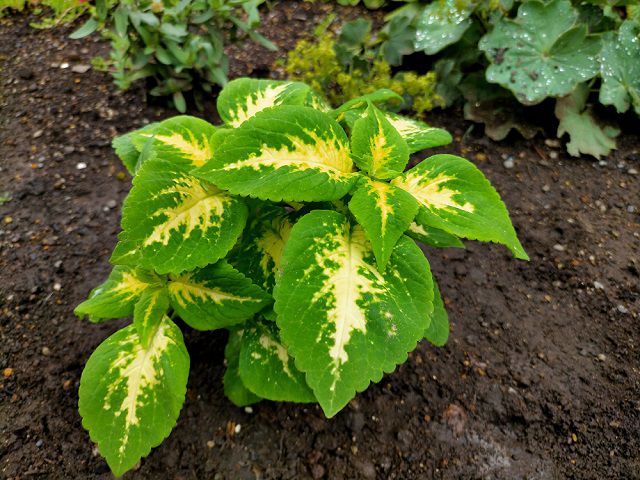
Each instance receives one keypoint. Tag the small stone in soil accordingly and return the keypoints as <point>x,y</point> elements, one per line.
<point>601,357</point>
<point>248,410</point>
<point>509,162</point>
<point>211,444</point>
<point>112,204</point>
<point>37,133</point>
<point>80,68</point>
<point>598,286</point>
<point>57,287</point>
<point>559,248</point>
<point>546,188</point>
<point>7,372</point>
<point>81,166</point>
<point>622,309</point>
<point>46,351</point>
<point>39,443</point>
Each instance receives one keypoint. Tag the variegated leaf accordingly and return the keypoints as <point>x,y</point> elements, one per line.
<point>433,237</point>
<point>385,213</point>
<point>438,331</point>
<point>258,253</point>
<point>129,151</point>
<point>131,394</point>
<point>418,134</point>
<point>234,389</point>
<point>149,312</point>
<point>267,369</point>
<point>215,296</point>
<point>182,140</point>
<point>456,197</point>
<point>242,98</point>
<point>117,297</point>
<point>288,153</point>
<point>174,222</point>
<point>359,103</point>
<point>314,100</point>
<point>377,147</point>
<point>344,321</point>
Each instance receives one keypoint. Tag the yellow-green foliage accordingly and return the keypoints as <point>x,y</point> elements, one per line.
<point>62,11</point>
<point>316,64</point>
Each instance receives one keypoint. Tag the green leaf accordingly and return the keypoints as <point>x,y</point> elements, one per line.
<point>438,331</point>
<point>586,135</point>
<point>117,297</point>
<point>433,237</point>
<point>131,394</point>
<point>385,213</point>
<point>215,296</point>
<point>149,312</point>
<point>418,134</point>
<point>541,53</point>
<point>456,197</point>
<point>259,251</point>
<point>359,103</point>
<point>266,368</point>
<point>86,29</point>
<point>344,321</point>
<point>234,389</point>
<point>130,153</point>
<point>183,140</point>
<point>242,98</point>
<point>288,153</point>
<point>620,68</point>
<point>442,23</point>
<point>173,221</point>
<point>377,147</point>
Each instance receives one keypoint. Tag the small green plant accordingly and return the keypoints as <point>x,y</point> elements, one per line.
<point>292,227</point>
<point>355,63</point>
<point>178,45</point>
<point>62,11</point>
<point>498,55</point>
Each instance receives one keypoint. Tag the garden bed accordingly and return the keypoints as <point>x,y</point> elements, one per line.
<point>540,376</point>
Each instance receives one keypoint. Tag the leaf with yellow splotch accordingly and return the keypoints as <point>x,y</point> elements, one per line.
<point>214,297</point>
<point>117,297</point>
<point>131,394</point>
<point>148,313</point>
<point>267,369</point>
<point>433,237</point>
<point>234,388</point>
<point>358,104</point>
<point>257,255</point>
<point>345,322</point>
<point>242,98</point>
<point>385,213</point>
<point>174,222</point>
<point>456,197</point>
<point>183,140</point>
<point>129,152</point>
<point>377,147</point>
<point>290,153</point>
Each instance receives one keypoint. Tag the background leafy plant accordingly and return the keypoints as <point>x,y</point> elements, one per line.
<point>496,55</point>
<point>355,62</point>
<point>292,226</point>
<point>61,11</point>
<point>177,45</point>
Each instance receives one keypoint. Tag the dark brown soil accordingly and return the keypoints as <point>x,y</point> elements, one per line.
<point>540,379</point>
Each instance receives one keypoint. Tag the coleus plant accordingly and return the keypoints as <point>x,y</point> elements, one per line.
<point>292,226</point>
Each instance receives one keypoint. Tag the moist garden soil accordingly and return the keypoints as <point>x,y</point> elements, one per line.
<point>539,380</point>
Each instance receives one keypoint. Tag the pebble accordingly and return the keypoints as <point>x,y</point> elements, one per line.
<point>631,209</point>
<point>81,166</point>
<point>238,428</point>
<point>57,287</point>
<point>7,372</point>
<point>509,162</point>
<point>64,65</point>
<point>601,357</point>
<point>559,248</point>
<point>80,68</point>
<point>39,443</point>
<point>248,410</point>
<point>553,143</point>
<point>622,309</point>
<point>211,444</point>
<point>553,155</point>
<point>8,219</point>
<point>46,351</point>
<point>57,264</point>
<point>632,171</point>
<point>546,188</point>
<point>598,286</point>
<point>112,204</point>
<point>38,133</point>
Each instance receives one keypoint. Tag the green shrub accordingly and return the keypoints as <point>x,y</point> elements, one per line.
<point>62,11</point>
<point>178,45</point>
<point>498,54</point>
<point>292,227</point>
<point>354,64</point>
